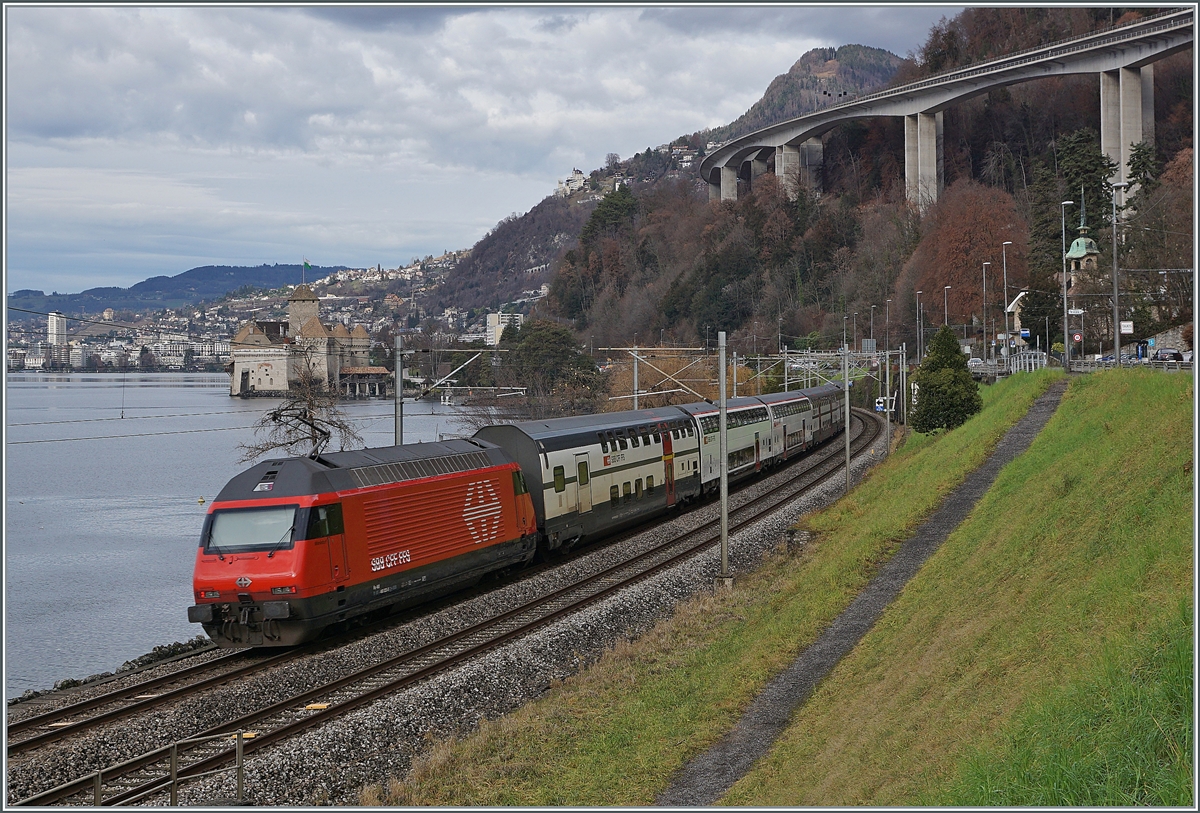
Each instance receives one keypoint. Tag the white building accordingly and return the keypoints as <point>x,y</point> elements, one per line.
<point>496,322</point>
<point>572,184</point>
<point>56,332</point>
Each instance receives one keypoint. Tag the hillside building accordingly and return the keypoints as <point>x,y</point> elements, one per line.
<point>268,358</point>
<point>496,322</point>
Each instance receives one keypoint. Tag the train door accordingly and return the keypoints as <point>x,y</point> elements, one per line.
<point>668,457</point>
<point>326,521</point>
<point>337,558</point>
<point>583,492</point>
<point>757,453</point>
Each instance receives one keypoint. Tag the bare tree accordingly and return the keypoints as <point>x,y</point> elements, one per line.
<point>304,423</point>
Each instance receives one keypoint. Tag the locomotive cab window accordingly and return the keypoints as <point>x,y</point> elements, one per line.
<point>519,486</point>
<point>243,530</point>
<point>560,479</point>
<point>324,520</point>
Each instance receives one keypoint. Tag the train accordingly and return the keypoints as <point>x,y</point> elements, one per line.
<point>295,546</point>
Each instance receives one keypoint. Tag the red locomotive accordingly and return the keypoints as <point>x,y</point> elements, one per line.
<point>290,547</point>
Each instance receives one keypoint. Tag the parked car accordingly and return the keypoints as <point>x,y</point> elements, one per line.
<point>975,362</point>
<point>1168,354</point>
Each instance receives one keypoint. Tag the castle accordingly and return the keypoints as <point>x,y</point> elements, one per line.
<point>269,358</point>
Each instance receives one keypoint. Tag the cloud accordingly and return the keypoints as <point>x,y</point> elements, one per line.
<point>130,128</point>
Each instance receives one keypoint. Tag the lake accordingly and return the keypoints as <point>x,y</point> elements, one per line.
<point>103,513</point>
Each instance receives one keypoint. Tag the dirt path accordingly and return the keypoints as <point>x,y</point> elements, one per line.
<point>710,775</point>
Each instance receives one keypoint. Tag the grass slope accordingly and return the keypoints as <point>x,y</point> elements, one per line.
<point>616,733</point>
<point>989,672</point>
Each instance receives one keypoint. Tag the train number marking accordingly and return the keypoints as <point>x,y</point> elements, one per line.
<point>390,560</point>
<point>481,512</point>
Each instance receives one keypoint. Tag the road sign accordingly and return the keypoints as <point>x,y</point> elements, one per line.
<point>1149,342</point>
<point>1076,337</point>
<point>1075,312</point>
<point>1024,333</point>
<point>1126,328</point>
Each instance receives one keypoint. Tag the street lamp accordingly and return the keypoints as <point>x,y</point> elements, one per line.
<point>845,319</point>
<point>856,330</point>
<point>873,322</point>
<point>1116,311</point>
<point>1007,336</point>
<point>946,304</point>
<point>985,344</point>
<point>919,326</point>
<point>1066,343</point>
<point>887,326</point>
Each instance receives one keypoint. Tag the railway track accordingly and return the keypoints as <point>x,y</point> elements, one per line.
<point>143,776</point>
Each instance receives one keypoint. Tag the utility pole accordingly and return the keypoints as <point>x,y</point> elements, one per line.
<point>1066,335</point>
<point>724,580</point>
<point>635,377</point>
<point>1116,292</point>
<point>846,406</point>
<point>398,359</point>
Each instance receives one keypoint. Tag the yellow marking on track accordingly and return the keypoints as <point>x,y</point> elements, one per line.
<point>316,706</point>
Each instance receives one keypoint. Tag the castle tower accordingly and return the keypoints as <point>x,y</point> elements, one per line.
<point>302,306</point>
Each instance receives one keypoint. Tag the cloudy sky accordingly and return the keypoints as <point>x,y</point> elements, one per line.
<point>146,141</point>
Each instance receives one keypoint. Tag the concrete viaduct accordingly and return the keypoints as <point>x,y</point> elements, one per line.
<point>1124,57</point>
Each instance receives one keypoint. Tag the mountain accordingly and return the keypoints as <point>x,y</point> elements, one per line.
<point>814,82</point>
<point>516,255</point>
<point>207,282</point>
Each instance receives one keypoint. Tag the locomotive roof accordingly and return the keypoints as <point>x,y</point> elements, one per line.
<point>345,471</point>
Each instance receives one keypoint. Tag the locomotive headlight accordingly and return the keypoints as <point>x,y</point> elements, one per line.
<point>279,591</point>
<point>210,594</point>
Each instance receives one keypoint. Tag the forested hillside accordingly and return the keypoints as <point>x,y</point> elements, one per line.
<point>767,268</point>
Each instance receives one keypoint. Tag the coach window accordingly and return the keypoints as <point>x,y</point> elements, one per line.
<point>646,436</point>
<point>560,479</point>
<point>626,490</point>
<point>650,484</point>
<point>633,438</point>
<point>637,489</point>
<point>614,496</point>
<point>656,435</point>
<point>621,439</point>
<point>603,441</point>
<point>583,473</point>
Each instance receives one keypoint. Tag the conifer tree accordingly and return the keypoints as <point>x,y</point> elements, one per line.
<point>946,394</point>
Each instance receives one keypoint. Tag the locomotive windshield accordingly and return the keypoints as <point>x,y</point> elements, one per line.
<point>242,530</point>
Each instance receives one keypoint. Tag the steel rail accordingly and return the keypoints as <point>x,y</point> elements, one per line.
<point>558,603</point>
